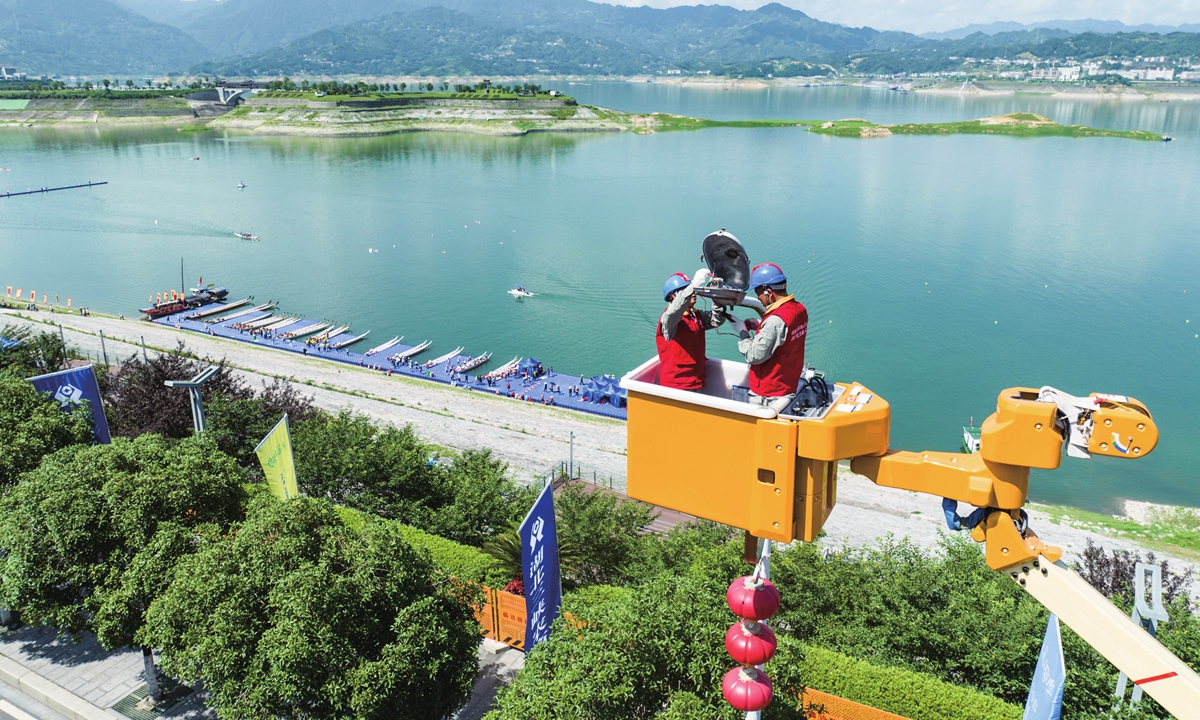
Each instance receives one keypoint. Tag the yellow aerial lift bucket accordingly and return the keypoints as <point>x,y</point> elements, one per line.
<point>761,469</point>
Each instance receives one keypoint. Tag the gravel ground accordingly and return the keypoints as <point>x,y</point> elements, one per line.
<point>531,438</point>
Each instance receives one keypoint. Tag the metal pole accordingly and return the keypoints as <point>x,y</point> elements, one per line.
<point>62,338</point>
<point>761,570</point>
<point>144,358</point>
<point>571,471</point>
<point>197,411</point>
<point>102,347</point>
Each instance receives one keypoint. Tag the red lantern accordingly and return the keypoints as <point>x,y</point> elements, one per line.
<point>751,643</point>
<point>747,689</point>
<point>752,599</point>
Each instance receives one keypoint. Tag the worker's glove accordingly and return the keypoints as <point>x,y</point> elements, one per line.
<point>752,324</point>
<point>702,278</point>
<point>739,326</point>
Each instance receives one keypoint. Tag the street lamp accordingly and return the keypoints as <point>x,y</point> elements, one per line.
<point>193,387</point>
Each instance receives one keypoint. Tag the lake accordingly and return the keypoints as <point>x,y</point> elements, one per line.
<point>937,270</point>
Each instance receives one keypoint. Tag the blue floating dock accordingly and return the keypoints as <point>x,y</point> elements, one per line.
<point>541,390</point>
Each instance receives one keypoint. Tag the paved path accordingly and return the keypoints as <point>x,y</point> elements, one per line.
<point>531,438</point>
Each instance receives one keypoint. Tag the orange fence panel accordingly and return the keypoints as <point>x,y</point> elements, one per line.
<point>486,613</point>
<point>510,625</point>
<point>836,708</point>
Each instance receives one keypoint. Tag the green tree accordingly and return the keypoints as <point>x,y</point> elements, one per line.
<point>33,426</point>
<point>605,530</point>
<point>238,424</point>
<point>298,616</point>
<point>485,499</point>
<point>106,84</point>
<point>36,353</point>
<point>350,461</point>
<point>92,536</point>
<point>403,86</point>
<point>128,84</point>
<point>429,87</point>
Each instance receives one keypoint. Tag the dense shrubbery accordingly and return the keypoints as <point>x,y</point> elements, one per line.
<point>299,616</point>
<point>95,536</point>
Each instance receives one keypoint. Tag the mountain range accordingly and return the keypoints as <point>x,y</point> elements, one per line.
<point>441,37</point>
<point>1088,25</point>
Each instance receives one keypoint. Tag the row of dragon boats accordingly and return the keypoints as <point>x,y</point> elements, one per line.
<point>330,336</point>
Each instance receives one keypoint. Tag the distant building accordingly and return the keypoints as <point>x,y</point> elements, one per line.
<point>1159,73</point>
<point>1044,73</point>
<point>10,73</point>
<point>1069,73</point>
<point>1192,75</point>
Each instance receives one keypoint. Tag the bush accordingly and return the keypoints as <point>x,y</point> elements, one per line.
<point>37,353</point>
<point>893,690</point>
<point>137,402</point>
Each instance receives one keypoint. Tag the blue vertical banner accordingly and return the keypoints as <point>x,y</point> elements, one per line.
<point>1046,691</point>
<point>539,564</point>
<point>72,387</point>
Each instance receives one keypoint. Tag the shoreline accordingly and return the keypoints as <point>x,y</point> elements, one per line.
<point>533,439</point>
<point>302,114</point>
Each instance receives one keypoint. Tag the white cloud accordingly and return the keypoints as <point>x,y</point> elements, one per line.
<point>936,15</point>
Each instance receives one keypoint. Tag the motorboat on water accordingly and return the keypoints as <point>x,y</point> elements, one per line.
<point>971,438</point>
<point>519,291</point>
<point>246,236</point>
<point>241,185</point>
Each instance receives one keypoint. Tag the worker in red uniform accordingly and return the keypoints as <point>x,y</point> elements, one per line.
<point>680,332</point>
<point>775,351</point>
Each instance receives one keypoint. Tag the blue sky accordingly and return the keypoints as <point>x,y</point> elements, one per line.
<point>936,15</point>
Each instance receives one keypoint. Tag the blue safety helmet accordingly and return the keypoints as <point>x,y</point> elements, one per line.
<point>674,283</point>
<point>768,274</point>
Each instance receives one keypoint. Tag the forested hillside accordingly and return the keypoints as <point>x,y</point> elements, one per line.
<point>89,36</point>
<point>436,41</point>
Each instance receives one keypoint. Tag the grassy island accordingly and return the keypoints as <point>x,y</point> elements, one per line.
<point>483,112</point>
<point>1015,124</point>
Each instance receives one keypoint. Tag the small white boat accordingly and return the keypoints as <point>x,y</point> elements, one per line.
<point>445,358</point>
<point>411,352</point>
<point>519,291</point>
<point>348,341</point>
<point>306,330</point>
<point>243,313</point>
<point>246,236</point>
<point>283,323</point>
<point>376,350</point>
<point>241,185</point>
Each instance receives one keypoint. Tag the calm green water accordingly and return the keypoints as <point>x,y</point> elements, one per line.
<point>937,271</point>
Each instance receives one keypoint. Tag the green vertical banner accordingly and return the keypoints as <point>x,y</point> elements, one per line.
<point>275,454</point>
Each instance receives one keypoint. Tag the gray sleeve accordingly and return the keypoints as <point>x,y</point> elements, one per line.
<point>771,334</point>
<point>712,318</point>
<point>670,319</point>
